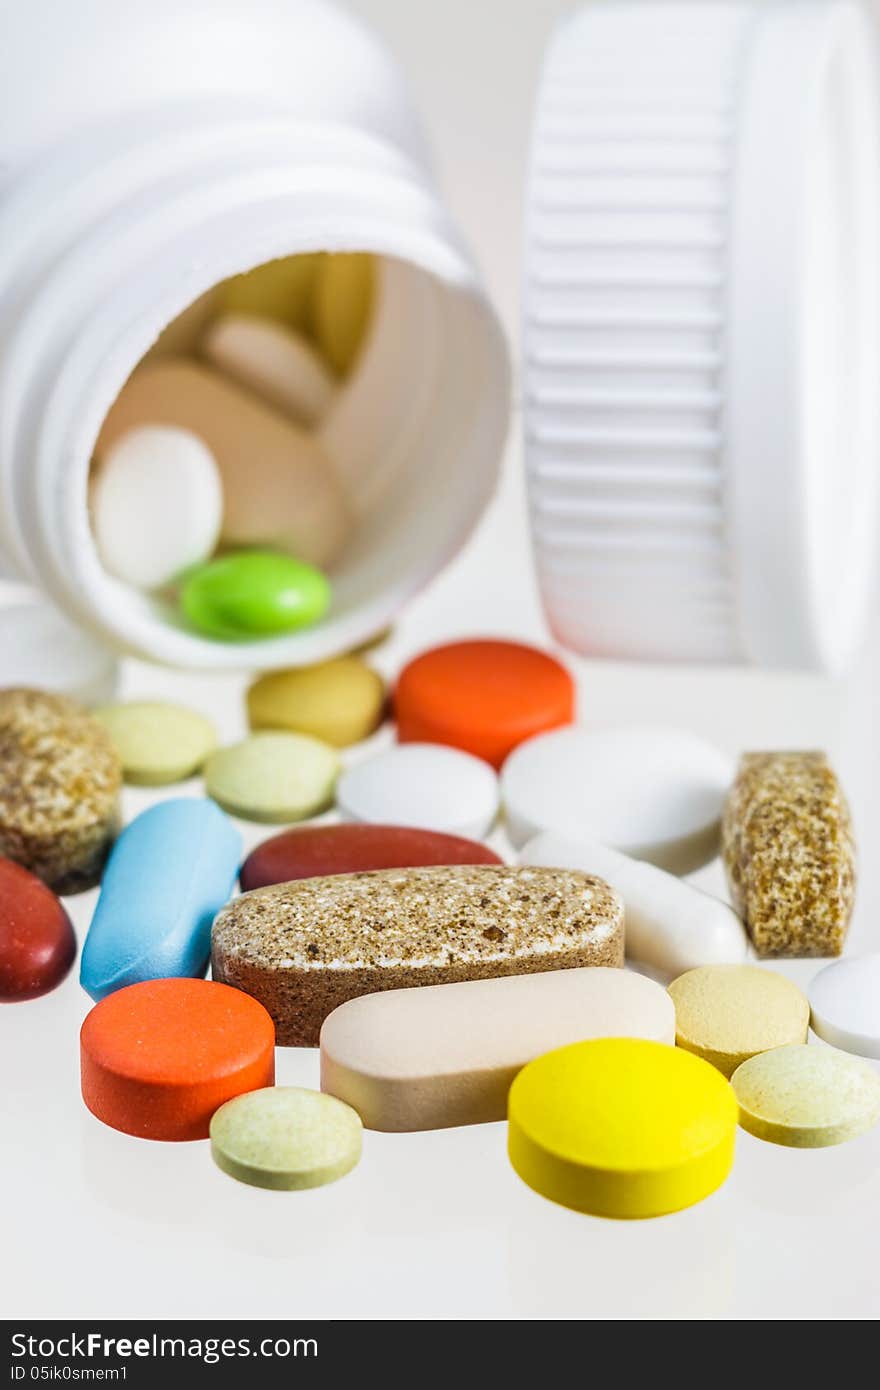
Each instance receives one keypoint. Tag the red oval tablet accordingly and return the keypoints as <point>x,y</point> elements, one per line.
<point>485,697</point>
<point>159,1058</point>
<point>37,942</point>
<point>318,850</point>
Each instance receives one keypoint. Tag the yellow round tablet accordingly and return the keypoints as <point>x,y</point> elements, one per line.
<point>728,1013</point>
<point>621,1127</point>
<point>807,1097</point>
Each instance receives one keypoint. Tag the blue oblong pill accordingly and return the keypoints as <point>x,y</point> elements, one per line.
<point>168,875</point>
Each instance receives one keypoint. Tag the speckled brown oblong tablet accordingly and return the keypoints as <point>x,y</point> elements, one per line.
<point>303,948</point>
<point>60,779</point>
<point>789,853</point>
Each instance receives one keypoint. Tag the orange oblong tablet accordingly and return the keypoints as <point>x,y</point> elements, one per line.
<point>159,1058</point>
<point>484,696</point>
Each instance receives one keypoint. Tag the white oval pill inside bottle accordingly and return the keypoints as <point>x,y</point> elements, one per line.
<point>157,504</point>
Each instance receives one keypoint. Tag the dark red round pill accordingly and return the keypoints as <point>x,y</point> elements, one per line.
<point>314,851</point>
<point>37,944</point>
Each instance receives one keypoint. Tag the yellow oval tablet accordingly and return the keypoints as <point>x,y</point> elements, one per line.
<point>728,1013</point>
<point>807,1097</point>
<point>621,1127</point>
<point>340,701</point>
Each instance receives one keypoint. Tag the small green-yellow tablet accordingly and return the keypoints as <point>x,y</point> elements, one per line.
<point>273,777</point>
<point>286,1138</point>
<point>158,743</point>
<point>807,1097</point>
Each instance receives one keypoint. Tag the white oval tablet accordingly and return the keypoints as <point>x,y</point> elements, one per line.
<point>654,793</point>
<point>845,1005</point>
<point>669,925</point>
<point>423,785</point>
<point>156,505</point>
<point>279,489</point>
<point>445,1055</point>
<point>273,361</point>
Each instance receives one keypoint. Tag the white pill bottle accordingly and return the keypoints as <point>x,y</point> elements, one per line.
<point>151,151</point>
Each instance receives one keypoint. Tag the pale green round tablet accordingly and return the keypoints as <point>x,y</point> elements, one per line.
<point>274,777</point>
<point>286,1138</point>
<point>807,1097</point>
<point>158,743</point>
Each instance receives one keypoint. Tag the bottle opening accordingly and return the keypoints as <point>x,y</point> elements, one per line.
<point>300,450</point>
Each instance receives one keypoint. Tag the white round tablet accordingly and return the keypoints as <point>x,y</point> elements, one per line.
<point>653,793</point>
<point>273,361</point>
<point>423,785</point>
<point>156,504</point>
<point>44,651</point>
<point>845,1005</point>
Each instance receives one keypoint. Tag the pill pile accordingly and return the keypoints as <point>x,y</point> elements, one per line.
<point>210,483</point>
<point>443,984</point>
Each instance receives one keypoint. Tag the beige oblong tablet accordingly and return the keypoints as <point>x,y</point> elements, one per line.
<point>279,489</point>
<point>275,362</point>
<point>445,1055</point>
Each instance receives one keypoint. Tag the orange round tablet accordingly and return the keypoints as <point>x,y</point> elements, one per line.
<point>486,697</point>
<point>159,1058</point>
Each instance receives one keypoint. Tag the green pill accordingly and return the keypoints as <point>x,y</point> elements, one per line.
<point>286,1138</point>
<point>253,593</point>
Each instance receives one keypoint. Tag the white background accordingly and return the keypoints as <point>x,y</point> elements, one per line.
<point>95,1224</point>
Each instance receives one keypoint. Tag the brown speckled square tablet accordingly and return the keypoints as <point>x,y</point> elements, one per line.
<point>60,779</point>
<point>303,948</point>
<point>789,852</point>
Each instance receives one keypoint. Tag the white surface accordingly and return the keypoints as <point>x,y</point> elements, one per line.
<point>424,785</point>
<point>156,504</point>
<point>845,1004</point>
<point>39,647</point>
<point>437,1225</point>
<point>703,329</point>
<point>670,925</point>
<point>649,791</point>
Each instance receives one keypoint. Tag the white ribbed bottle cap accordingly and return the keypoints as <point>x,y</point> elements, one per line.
<point>702,330</point>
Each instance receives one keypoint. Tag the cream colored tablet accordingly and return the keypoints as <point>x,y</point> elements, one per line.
<point>273,361</point>
<point>446,1055</point>
<point>807,1097</point>
<point>728,1013</point>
